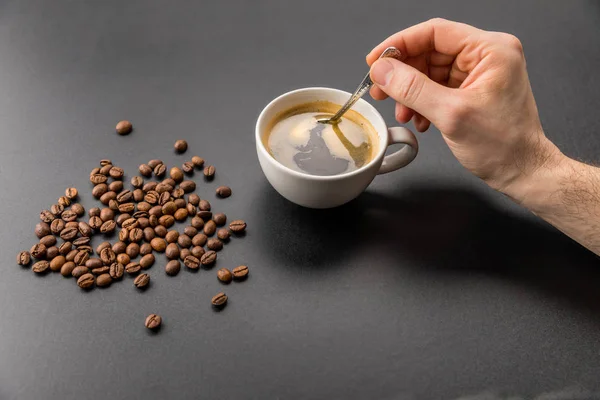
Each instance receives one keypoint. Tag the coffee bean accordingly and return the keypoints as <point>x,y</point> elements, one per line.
<point>108,226</point>
<point>126,207</point>
<point>69,216</point>
<point>191,262</point>
<point>187,167</point>
<point>198,161</point>
<point>160,231</point>
<point>57,209</point>
<point>69,233</point>
<point>42,229</point>
<point>64,201</point>
<point>116,186</point>
<point>124,235</point>
<point>71,255</point>
<point>143,222</point>
<point>119,247</point>
<point>181,214</point>
<point>149,186</point>
<point>151,197</point>
<point>108,256</point>
<point>79,271</point>
<point>99,190</point>
<point>138,195</point>
<point>81,258</point>
<point>170,181</point>
<point>164,198</point>
<point>147,261</point>
<point>78,209</point>
<point>214,244</point>
<point>154,163</point>
<point>180,203</point>
<point>48,241</point>
<point>163,188</point>
<point>210,228</point>
<point>172,251</point>
<point>51,252</point>
<point>155,211</point>
<point>97,179</point>
<point>86,281</point>
<point>145,170</point>
<point>172,236</point>
<point>148,234</point>
<point>220,219</point>
<point>158,244</point>
<point>199,240</point>
<point>107,197</point>
<point>105,169</point>
<point>123,259</point>
<point>107,214</point>
<point>84,229</point>
<point>224,275</point>
<point>194,199</point>
<point>184,241</point>
<point>105,161</point>
<point>191,209</point>
<point>23,258</point>
<point>145,248</point>
<point>240,273</point>
<point>188,186</point>
<point>166,220</point>
<point>116,173</point>
<point>183,253</point>
<point>160,170</point>
<point>95,171</point>
<point>169,208</point>
<point>178,193</point>
<point>93,262</point>
<point>197,223</point>
<point>139,215</point>
<point>204,205</point>
<point>137,182</point>
<point>136,235</point>
<point>209,172</point>
<point>133,268</point>
<point>67,268</point>
<point>94,212</point>
<point>116,270</point>
<point>172,268</point>
<point>125,196</point>
<point>176,174</point>
<point>153,321</point>
<point>82,241</point>
<point>219,300</point>
<point>223,234</point>
<point>223,191</point>
<point>72,224</point>
<point>40,267</point>
<point>71,193</point>
<point>65,248</point>
<point>103,280</point>
<point>180,146</point>
<point>95,222</point>
<point>124,127</point>
<point>87,248</point>
<point>209,258</point>
<point>46,216</point>
<point>204,215</point>
<point>237,226</point>
<point>133,250</point>
<point>113,204</point>
<point>141,281</point>
<point>130,223</point>
<point>101,270</point>
<point>197,251</point>
<point>191,231</point>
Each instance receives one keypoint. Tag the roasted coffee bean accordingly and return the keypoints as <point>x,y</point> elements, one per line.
<point>155,211</point>
<point>224,275</point>
<point>184,241</point>
<point>180,146</point>
<point>67,268</point>
<point>72,254</point>
<point>86,281</point>
<point>176,174</point>
<point>163,188</point>
<point>197,251</point>
<point>183,253</point>
<point>169,181</point>
<point>81,241</point>
<point>219,300</point>
<point>164,198</point>
<point>116,173</point>
<point>119,247</point>
<point>180,203</point>
<point>40,267</point>
<point>138,195</point>
<point>72,224</point>
<point>95,222</point>
<point>133,250</point>
<point>194,199</point>
<point>210,228</point>
<point>172,236</point>
<point>198,161</point>
<point>102,270</point>
<point>46,216</point>
<point>79,271</point>
<point>127,207</point>
<point>133,268</point>
<point>187,167</point>
<point>160,170</point>
<point>145,170</point>
<point>125,196</point>
<point>166,220</point>
<point>124,127</point>
<point>178,193</point>
<point>191,209</point>
<point>209,258</point>
<point>65,248</point>
<point>57,209</point>
<point>191,262</point>
<point>116,186</point>
<point>136,235</point>
<point>42,229</point>
<point>113,204</point>
<point>51,252</point>
<point>191,231</point>
<point>181,214</point>
<point>94,212</point>
<point>214,244</point>
<point>87,248</point>
<point>69,216</point>
<point>107,197</point>
<point>84,229</point>
<point>99,190</point>
<point>199,240</point>
<point>38,251</point>
<point>103,280</point>
<point>143,222</point>
<point>172,268</point>
<point>137,182</point>
<point>204,215</point>
<point>145,248</point>
<point>160,231</point>
<point>95,171</point>
<point>48,241</point>
<point>209,172</point>
<point>97,179</point>
<point>124,235</point>
<point>223,191</point>
<point>188,186</point>
<point>151,197</point>
<point>240,273</point>
<point>169,208</point>
<point>154,163</point>
<point>93,262</point>
<point>123,259</point>
<point>172,251</point>
<point>153,321</point>
<point>108,227</point>
<point>105,169</point>
<point>204,205</point>
<point>108,256</point>
<point>82,257</point>
<point>237,226</point>
<point>78,209</point>
<point>105,161</point>
<point>130,223</point>
<point>116,270</point>
<point>223,234</point>
<point>197,223</point>
<point>141,281</point>
<point>143,206</point>
<point>71,193</point>
<point>23,258</point>
<point>107,214</point>
<point>69,233</point>
<point>158,244</point>
<point>64,201</point>
<point>147,261</point>
<point>149,186</point>
<point>219,219</point>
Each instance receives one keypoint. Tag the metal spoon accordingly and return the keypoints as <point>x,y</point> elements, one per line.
<point>364,86</point>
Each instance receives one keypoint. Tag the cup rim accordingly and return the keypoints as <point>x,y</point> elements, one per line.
<point>380,152</point>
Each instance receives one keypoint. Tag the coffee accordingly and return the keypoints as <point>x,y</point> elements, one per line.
<point>297,140</point>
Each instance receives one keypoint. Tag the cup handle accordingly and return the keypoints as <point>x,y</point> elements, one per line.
<point>402,157</point>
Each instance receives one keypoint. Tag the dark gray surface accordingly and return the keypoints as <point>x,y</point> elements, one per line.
<point>429,286</point>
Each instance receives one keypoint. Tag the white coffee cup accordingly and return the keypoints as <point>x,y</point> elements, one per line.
<point>330,191</point>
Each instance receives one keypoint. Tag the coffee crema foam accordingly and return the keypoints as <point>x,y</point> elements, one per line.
<point>298,141</point>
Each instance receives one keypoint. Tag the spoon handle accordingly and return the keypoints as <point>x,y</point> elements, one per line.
<point>365,85</point>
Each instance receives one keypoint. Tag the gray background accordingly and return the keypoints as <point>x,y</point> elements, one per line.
<point>428,286</point>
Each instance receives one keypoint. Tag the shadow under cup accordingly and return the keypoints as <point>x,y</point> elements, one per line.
<point>311,190</point>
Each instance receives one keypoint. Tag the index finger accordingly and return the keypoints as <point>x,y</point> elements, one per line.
<point>443,36</point>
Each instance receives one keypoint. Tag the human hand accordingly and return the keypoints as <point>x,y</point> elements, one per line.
<point>473,85</point>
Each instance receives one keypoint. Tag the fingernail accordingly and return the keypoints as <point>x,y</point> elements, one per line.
<point>382,72</point>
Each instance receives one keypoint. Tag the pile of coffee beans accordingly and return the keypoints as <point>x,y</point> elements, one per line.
<point>140,219</point>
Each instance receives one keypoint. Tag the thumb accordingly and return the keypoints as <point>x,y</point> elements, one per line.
<point>410,87</point>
